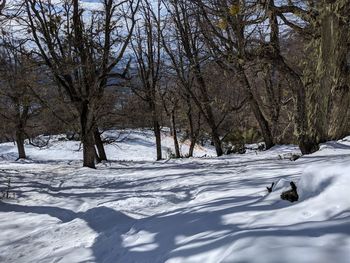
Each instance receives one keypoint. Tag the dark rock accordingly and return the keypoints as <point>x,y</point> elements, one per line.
<point>291,195</point>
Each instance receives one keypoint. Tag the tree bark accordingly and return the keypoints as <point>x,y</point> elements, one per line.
<point>173,128</point>
<point>20,144</point>
<point>88,150</point>
<point>193,137</point>
<point>333,70</point>
<point>87,135</point>
<point>99,145</point>
<point>157,131</point>
<point>192,145</point>
<point>157,134</point>
<point>326,76</point>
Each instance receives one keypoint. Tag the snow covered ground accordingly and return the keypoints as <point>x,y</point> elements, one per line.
<point>202,209</point>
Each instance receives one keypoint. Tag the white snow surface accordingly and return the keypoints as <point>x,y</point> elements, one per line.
<point>202,209</point>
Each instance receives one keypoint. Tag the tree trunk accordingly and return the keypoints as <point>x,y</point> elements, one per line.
<point>327,80</point>
<point>88,150</point>
<point>99,144</point>
<point>192,145</point>
<point>156,129</point>
<point>333,66</point>
<point>217,142</point>
<point>213,131</point>
<point>157,134</point>
<point>259,116</point>
<point>173,128</point>
<point>192,134</point>
<point>20,144</point>
<point>208,111</point>
<point>87,135</point>
<point>22,117</point>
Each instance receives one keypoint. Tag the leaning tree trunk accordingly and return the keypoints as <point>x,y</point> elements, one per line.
<point>217,142</point>
<point>193,137</point>
<point>208,111</point>
<point>87,134</point>
<point>173,128</point>
<point>99,145</point>
<point>259,116</point>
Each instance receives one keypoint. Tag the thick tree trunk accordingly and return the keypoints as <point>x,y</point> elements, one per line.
<point>87,135</point>
<point>20,144</point>
<point>88,150</point>
<point>327,80</point>
<point>173,128</point>
<point>99,145</point>
<point>217,142</point>
<point>333,70</point>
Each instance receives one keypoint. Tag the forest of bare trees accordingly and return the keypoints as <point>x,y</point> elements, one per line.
<point>226,72</point>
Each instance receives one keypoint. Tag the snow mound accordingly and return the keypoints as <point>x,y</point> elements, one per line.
<point>326,187</point>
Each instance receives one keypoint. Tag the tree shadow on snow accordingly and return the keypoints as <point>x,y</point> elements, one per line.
<point>202,227</point>
<point>100,219</point>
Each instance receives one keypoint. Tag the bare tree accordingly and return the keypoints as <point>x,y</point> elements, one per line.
<point>146,45</point>
<point>18,74</point>
<point>171,100</point>
<point>189,43</point>
<point>227,27</point>
<point>81,52</point>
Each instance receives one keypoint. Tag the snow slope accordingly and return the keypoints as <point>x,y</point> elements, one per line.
<point>133,209</point>
<point>129,145</point>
